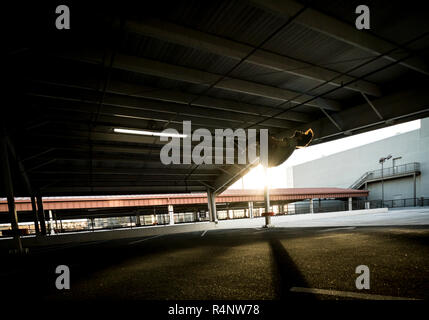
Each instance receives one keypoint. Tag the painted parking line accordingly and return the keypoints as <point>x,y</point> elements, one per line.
<point>348,294</point>
<point>339,228</point>
<point>137,241</point>
<point>204,232</point>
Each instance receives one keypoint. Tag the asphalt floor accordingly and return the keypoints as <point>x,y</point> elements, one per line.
<point>249,264</point>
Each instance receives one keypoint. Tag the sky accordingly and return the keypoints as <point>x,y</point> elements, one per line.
<point>278,176</point>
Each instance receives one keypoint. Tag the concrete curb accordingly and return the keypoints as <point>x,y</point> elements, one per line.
<point>178,228</point>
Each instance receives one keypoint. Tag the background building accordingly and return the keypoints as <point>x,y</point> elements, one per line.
<point>405,174</point>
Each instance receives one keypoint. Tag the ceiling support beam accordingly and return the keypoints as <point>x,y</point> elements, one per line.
<point>136,108</point>
<point>372,106</point>
<point>179,73</point>
<point>331,119</point>
<point>175,96</point>
<point>361,118</point>
<point>132,105</point>
<point>112,190</point>
<point>342,31</point>
<point>225,180</point>
<point>207,42</point>
<point>160,69</point>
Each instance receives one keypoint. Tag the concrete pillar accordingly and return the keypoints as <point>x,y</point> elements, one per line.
<point>41,215</point>
<point>311,206</point>
<point>51,223</point>
<point>138,222</point>
<point>7,181</point>
<point>230,214</point>
<point>14,223</point>
<point>415,193</point>
<point>56,220</point>
<point>34,211</point>
<point>251,216</point>
<point>350,204</point>
<point>171,213</point>
<point>267,205</point>
<point>211,202</point>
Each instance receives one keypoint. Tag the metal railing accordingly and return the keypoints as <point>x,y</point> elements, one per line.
<point>301,207</point>
<point>400,170</point>
<point>394,203</point>
<point>360,181</point>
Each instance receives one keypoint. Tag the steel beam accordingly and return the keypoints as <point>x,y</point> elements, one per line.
<point>339,30</point>
<point>207,42</point>
<point>179,73</point>
<point>133,106</point>
<point>372,106</point>
<point>361,118</point>
<point>176,96</point>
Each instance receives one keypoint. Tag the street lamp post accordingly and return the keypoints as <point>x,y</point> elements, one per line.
<point>382,160</point>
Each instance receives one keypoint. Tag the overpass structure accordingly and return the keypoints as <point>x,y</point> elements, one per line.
<point>280,65</point>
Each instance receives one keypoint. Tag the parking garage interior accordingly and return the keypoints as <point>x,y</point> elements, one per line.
<point>299,69</point>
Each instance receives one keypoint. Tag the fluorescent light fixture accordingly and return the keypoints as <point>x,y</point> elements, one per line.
<point>150,133</point>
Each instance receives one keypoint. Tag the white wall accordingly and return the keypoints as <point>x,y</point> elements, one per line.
<point>344,168</point>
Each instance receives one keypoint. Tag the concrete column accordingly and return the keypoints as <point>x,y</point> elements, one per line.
<point>350,204</point>
<point>34,211</point>
<point>14,223</point>
<point>230,214</point>
<point>8,185</point>
<point>171,213</point>
<point>56,220</point>
<point>267,206</point>
<point>251,210</point>
<point>138,222</point>
<point>311,206</point>
<point>41,214</point>
<point>51,223</point>
<point>211,202</point>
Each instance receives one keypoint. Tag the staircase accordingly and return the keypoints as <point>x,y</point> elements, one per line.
<point>408,169</point>
<point>361,181</point>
